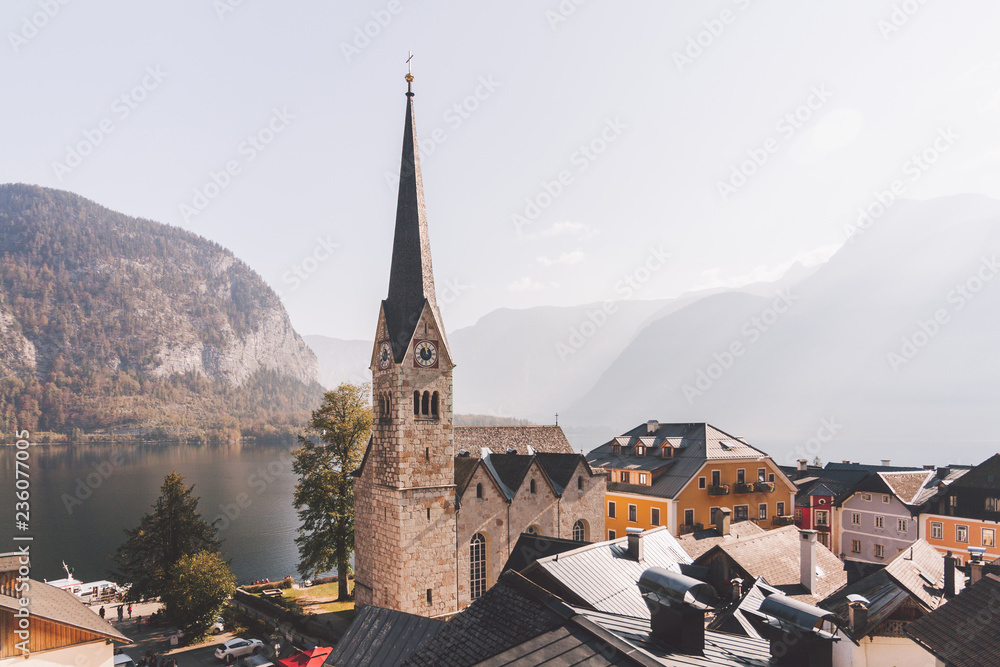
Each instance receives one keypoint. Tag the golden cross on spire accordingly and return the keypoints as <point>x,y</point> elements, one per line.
<point>409,74</point>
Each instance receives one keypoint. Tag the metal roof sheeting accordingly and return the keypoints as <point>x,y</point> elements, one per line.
<point>382,638</point>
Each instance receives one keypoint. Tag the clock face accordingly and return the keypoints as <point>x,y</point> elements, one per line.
<point>384,355</point>
<point>425,354</point>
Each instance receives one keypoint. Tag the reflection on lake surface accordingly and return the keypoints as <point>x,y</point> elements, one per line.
<point>83,496</point>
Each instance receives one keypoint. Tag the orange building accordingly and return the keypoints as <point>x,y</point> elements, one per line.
<point>678,475</point>
<point>966,513</point>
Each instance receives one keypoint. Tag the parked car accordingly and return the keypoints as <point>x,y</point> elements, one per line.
<point>123,660</point>
<point>217,625</point>
<point>236,647</point>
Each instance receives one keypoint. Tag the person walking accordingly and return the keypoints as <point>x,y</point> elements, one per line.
<point>121,612</point>
<point>102,612</point>
<point>130,611</point>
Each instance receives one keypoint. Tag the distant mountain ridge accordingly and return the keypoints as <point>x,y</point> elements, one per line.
<point>115,324</point>
<point>856,344</point>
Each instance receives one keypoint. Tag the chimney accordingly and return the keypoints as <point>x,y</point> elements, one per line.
<point>737,588</point>
<point>975,571</point>
<point>799,633</point>
<point>634,544</point>
<point>802,464</point>
<point>807,560</point>
<point>949,576</point>
<point>677,605</point>
<point>847,461</point>
<point>886,462</point>
<point>722,517</point>
<point>929,467</point>
<point>652,426</point>
<point>857,616</point>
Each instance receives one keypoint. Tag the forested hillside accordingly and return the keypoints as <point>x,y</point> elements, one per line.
<point>112,324</point>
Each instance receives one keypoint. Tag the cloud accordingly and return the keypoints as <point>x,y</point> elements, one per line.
<point>525,284</point>
<point>574,257</point>
<point>837,129</point>
<point>577,229</point>
<point>767,274</point>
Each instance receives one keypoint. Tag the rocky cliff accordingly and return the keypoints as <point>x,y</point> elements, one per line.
<point>108,321</point>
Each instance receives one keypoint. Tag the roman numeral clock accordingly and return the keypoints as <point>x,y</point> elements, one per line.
<point>425,354</point>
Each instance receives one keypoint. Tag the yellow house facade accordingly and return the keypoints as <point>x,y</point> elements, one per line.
<point>678,475</point>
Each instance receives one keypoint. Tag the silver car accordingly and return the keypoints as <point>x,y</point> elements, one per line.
<point>237,647</point>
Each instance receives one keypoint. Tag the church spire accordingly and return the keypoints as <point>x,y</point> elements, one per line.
<point>411,278</point>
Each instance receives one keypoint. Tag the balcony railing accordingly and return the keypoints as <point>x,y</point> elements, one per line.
<point>741,487</point>
<point>891,628</point>
<point>782,520</point>
<point>763,487</point>
<point>718,490</point>
<point>689,528</point>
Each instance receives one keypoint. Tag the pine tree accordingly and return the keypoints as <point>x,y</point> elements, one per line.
<point>174,530</point>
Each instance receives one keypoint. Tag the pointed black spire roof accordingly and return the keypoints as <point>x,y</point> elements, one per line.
<point>411,278</point>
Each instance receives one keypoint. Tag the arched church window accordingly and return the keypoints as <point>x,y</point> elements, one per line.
<point>579,482</point>
<point>479,490</point>
<point>434,404</point>
<point>580,531</point>
<point>477,565</point>
<point>425,404</point>
<point>533,489</point>
<point>416,402</point>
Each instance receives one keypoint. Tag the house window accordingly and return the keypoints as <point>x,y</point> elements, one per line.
<point>477,565</point>
<point>780,509</point>
<point>654,516</point>
<point>611,534</point>
<point>855,546</point>
<point>762,511</point>
<point>666,452</point>
<point>435,399</point>
<point>616,449</point>
<point>741,512</point>
<point>632,513</point>
<point>798,515</point>
<point>430,597</point>
<point>761,474</point>
<point>822,518</point>
<point>712,514</point>
<point>867,497</point>
<point>856,518</point>
<point>770,477</point>
<point>580,531</point>
<point>623,477</point>
<point>688,517</point>
<point>879,521</point>
<point>611,509</point>
<point>902,525</point>
<point>532,486</point>
<point>962,534</point>
<point>642,478</point>
<point>937,530</point>
<point>716,478</point>
<point>640,450</point>
<point>701,482</point>
<point>579,482</point>
<point>741,476</point>
<point>416,403</point>
<point>992,504</point>
<point>879,551</point>
<point>885,499</point>
<point>988,537</point>
<point>479,490</point>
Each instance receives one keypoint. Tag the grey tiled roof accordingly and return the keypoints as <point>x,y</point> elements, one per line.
<point>775,555</point>
<point>698,542</point>
<point>382,638</point>
<point>510,470</point>
<point>907,485</point>
<point>695,444</point>
<point>64,608</point>
<point>890,587</point>
<point>963,632</point>
<point>720,648</point>
<point>550,439</point>
<point>603,576</point>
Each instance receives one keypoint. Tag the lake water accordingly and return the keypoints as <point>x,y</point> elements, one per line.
<point>82,497</point>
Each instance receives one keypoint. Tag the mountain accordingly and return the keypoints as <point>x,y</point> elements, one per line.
<point>112,324</point>
<point>887,351</point>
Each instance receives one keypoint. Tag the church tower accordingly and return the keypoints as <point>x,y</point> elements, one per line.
<point>405,515</point>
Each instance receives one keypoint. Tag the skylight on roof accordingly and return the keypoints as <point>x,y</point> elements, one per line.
<point>926,577</point>
<point>725,444</point>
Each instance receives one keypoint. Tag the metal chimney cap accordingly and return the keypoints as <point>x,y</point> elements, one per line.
<point>787,613</point>
<point>661,586</point>
<point>632,530</point>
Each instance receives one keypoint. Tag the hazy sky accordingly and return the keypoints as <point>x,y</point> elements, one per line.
<point>735,136</point>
